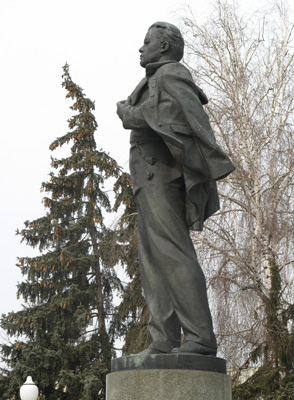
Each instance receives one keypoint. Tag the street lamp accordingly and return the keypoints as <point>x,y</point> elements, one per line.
<point>29,391</point>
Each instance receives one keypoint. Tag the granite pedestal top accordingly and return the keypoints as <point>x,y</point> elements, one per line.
<point>187,361</point>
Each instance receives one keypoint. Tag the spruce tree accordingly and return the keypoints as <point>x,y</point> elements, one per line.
<point>132,313</point>
<point>63,337</point>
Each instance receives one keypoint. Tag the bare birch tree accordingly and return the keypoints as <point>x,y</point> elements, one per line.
<point>246,66</point>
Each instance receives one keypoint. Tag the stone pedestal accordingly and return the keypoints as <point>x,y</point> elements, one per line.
<point>168,377</point>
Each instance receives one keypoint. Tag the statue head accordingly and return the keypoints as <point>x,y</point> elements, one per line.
<point>163,41</point>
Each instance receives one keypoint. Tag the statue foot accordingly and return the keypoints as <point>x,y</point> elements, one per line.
<point>196,348</point>
<point>148,351</point>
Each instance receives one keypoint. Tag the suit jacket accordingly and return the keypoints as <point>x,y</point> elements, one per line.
<point>174,110</point>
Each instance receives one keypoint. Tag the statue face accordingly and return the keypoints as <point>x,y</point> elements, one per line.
<point>151,51</point>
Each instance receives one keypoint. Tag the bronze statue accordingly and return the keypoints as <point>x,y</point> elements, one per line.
<point>174,164</point>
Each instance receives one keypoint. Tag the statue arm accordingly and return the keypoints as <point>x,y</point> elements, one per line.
<point>131,116</point>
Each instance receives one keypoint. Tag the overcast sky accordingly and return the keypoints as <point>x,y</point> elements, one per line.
<point>100,41</point>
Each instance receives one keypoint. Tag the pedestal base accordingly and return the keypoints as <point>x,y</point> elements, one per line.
<point>172,377</point>
<point>168,384</point>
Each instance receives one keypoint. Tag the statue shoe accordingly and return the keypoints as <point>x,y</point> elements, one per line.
<point>195,348</point>
<point>149,350</point>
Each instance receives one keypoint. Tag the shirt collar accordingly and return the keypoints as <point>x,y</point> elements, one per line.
<point>153,67</point>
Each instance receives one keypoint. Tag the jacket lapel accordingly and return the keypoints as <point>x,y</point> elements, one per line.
<point>136,93</point>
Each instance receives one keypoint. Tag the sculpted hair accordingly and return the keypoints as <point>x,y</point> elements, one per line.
<point>172,34</point>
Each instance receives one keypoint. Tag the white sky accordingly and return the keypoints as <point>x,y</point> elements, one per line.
<point>100,41</point>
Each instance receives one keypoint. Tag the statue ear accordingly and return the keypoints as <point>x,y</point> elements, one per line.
<point>164,47</point>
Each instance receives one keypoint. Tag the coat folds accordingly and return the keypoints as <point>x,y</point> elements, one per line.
<point>174,110</point>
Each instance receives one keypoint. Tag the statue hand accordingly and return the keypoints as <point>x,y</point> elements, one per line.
<point>121,106</point>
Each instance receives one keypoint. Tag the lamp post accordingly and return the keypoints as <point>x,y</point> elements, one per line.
<point>29,391</point>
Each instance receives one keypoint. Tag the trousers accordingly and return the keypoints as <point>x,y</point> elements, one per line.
<point>173,282</point>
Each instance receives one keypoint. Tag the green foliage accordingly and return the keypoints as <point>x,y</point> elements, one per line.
<point>63,337</point>
<point>262,383</point>
<point>273,378</point>
<point>286,392</point>
<point>133,314</point>
<point>268,383</point>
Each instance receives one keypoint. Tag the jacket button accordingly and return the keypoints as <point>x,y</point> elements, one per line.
<point>159,124</point>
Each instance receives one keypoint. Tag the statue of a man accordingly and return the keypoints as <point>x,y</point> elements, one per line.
<point>174,163</point>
